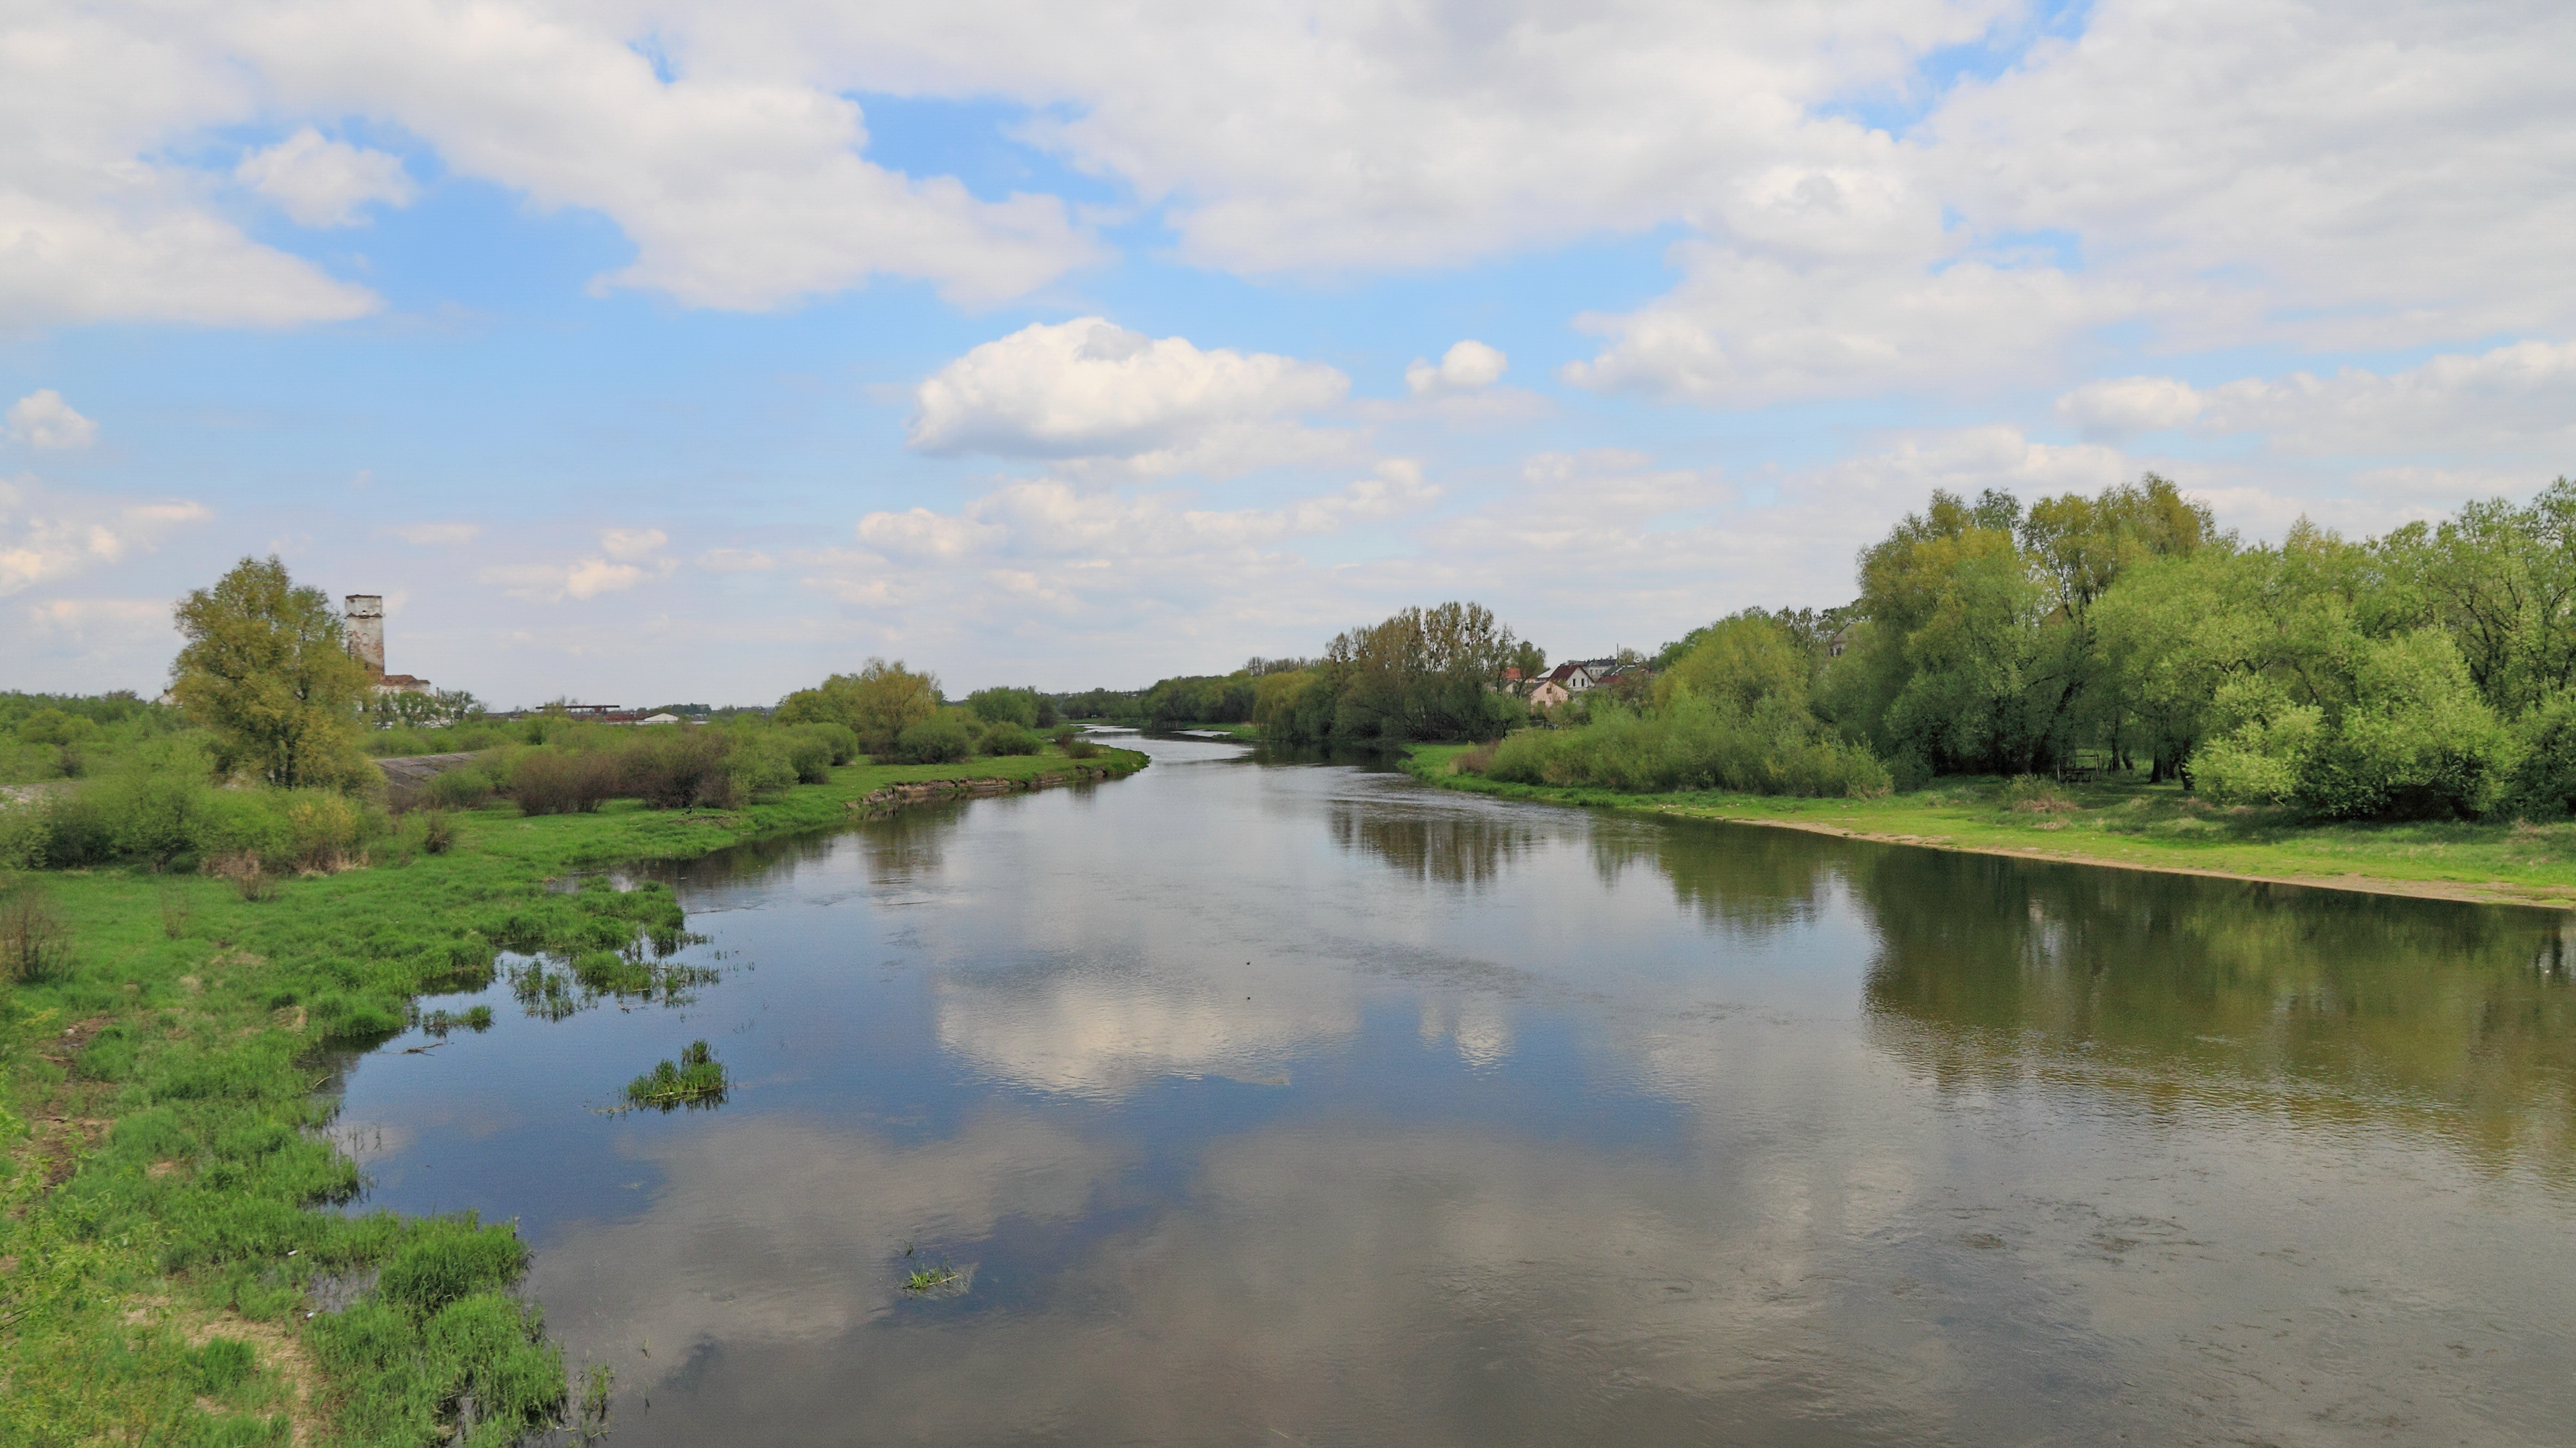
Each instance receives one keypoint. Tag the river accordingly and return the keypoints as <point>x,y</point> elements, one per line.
<point>1278,1103</point>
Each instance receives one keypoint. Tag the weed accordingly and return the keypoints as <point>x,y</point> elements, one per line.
<point>929,1279</point>
<point>696,1080</point>
<point>35,945</point>
<point>598,1386</point>
<point>2031,794</point>
<point>437,832</point>
<point>176,913</point>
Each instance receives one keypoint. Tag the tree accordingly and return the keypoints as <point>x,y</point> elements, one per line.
<point>877,703</point>
<point>266,669</point>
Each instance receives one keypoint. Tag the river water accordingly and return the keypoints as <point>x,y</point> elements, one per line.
<point>1292,1103</point>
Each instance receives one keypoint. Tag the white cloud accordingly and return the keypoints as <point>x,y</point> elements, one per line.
<point>630,544</point>
<point>2126,405</point>
<point>435,535</point>
<point>736,560</point>
<point>2514,402</point>
<point>321,182</point>
<point>41,419</point>
<point>1089,391</point>
<point>1466,367</point>
<point>101,625</point>
<point>627,564</point>
<point>46,537</point>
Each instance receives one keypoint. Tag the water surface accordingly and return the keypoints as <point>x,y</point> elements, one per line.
<point>1299,1103</point>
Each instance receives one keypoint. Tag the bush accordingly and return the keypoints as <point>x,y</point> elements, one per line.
<point>2543,783</point>
<point>808,754</point>
<point>679,768</point>
<point>758,770</point>
<point>468,786</point>
<point>942,739</point>
<point>1004,739</point>
<point>547,781</point>
<point>1693,745</point>
<point>35,944</point>
<point>1078,747</point>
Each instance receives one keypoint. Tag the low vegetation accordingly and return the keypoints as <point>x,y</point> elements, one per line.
<point>696,1080</point>
<point>204,910</point>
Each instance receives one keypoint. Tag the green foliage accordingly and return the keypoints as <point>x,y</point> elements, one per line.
<point>2543,782</point>
<point>943,739</point>
<point>1004,739</point>
<point>1431,673</point>
<point>696,1080</point>
<point>267,670</point>
<point>35,944</point>
<point>1025,707</point>
<point>876,704</point>
<point>1693,743</point>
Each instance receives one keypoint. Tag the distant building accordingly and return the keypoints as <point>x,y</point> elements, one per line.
<point>364,618</point>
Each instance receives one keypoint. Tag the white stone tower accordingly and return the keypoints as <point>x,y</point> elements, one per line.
<point>366,629</point>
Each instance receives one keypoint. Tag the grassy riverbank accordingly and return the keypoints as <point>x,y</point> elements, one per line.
<point>2131,825</point>
<point>164,1222</point>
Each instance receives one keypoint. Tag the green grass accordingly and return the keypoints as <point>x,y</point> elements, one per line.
<point>696,1079</point>
<point>2123,822</point>
<point>163,1176</point>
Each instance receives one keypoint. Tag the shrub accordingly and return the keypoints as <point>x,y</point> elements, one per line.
<point>758,770</point>
<point>1078,747</point>
<point>547,781</point>
<point>35,945</point>
<point>680,768</point>
<point>468,786</point>
<point>843,743</point>
<point>1004,739</point>
<point>939,740</point>
<point>437,832</point>
<point>1693,744</point>
<point>2543,783</point>
<point>808,754</point>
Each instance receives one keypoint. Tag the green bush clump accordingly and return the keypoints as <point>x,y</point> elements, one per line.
<point>549,781</point>
<point>1009,739</point>
<point>1693,744</point>
<point>941,739</point>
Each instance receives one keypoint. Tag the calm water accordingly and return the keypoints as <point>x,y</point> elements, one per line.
<point>1300,1104</point>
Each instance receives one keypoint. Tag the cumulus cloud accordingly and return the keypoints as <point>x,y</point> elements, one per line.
<point>41,419</point>
<point>46,537</point>
<point>2513,401</point>
<point>2126,405</point>
<point>628,561</point>
<point>322,182</point>
<point>435,535</point>
<point>738,189</point>
<point>1465,367</point>
<point>1090,391</point>
<point>629,544</point>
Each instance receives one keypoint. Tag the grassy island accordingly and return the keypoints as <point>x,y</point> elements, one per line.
<point>164,1214</point>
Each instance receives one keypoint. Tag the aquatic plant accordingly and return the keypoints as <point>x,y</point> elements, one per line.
<point>697,1079</point>
<point>926,1279</point>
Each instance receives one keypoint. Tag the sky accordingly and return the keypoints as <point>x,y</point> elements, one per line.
<point>650,352</point>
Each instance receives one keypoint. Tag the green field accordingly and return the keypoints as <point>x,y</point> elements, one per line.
<point>162,1217</point>
<point>2129,824</point>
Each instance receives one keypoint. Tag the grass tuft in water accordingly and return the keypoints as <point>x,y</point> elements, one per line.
<point>696,1080</point>
<point>929,1279</point>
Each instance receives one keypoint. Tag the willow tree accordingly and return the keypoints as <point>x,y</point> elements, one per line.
<point>267,671</point>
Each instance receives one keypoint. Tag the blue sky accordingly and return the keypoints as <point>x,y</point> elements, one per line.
<point>641,353</point>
